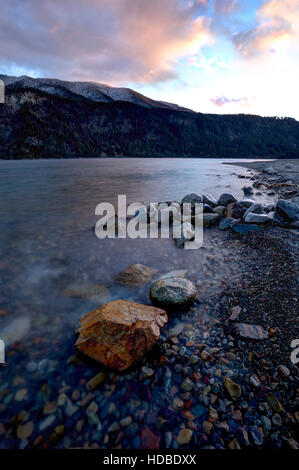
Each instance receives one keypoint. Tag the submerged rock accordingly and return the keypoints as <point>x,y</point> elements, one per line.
<point>95,292</point>
<point>135,274</point>
<point>172,293</point>
<point>269,170</point>
<point>248,191</point>
<point>120,333</point>
<point>226,199</point>
<point>16,330</point>
<point>176,330</point>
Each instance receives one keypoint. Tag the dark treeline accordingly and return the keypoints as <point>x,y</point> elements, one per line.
<point>34,124</point>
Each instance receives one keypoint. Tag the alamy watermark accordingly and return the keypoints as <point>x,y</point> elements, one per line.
<point>157,220</point>
<point>2,92</point>
<point>2,352</point>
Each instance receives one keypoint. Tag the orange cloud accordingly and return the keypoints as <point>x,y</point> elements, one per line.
<point>276,25</point>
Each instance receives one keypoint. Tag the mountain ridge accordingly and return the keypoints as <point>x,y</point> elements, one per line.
<point>98,92</point>
<point>36,123</point>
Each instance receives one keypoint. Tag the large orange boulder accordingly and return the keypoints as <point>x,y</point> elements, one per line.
<point>119,333</point>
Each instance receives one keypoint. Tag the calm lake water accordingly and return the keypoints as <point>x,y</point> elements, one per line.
<point>53,269</point>
<point>47,241</point>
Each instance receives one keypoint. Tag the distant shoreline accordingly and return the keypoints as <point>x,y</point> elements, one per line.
<point>146,157</point>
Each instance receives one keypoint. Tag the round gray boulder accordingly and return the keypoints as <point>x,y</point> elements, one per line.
<point>288,210</point>
<point>172,293</point>
<point>226,199</point>
<point>192,199</point>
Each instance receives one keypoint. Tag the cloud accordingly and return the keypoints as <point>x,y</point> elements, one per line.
<point>221,101</point>
<point>201,62</point>
<point>117,41</point>
<point>276,24</point>
<point>223,7</point>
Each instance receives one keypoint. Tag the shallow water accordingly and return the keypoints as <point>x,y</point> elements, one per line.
<point>53,269</point>
<point>47,240</point>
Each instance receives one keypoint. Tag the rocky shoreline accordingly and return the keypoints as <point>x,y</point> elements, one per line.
<point>219,376</point>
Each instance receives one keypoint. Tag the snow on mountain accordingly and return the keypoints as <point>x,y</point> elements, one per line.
<point>97,92</point>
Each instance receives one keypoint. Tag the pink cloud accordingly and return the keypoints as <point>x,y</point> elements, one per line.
<point>115,41</point>
<point>221,101</point>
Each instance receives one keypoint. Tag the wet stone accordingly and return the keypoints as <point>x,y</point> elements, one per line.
<point>256,436</point>
<point>225,199</point>
<point>256,218</point>
<point>207,427</point>
<point>192,199</point>
<point>220,210</point>
<point>24,431</point>
<point>46,423</point>
<point>184,437</point>
<point>172,293</point>
<point>149,440</point>
<point>243,228</point>
<point>210,219</point>
<point>50,408</point>
<point>95,381</point>
<point>254,380</point>
<point>226,223</point>
<point>209,199</point>
<point>233,389</point>
<point>287,210</point>
<point>283,371</point>
<point>247,331</point>
<point>187,385</point>
<point>120,333</point>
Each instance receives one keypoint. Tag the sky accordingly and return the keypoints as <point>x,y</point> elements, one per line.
<point>213,56</point>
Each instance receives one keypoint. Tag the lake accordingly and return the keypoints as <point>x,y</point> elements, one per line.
<point>53,269</point>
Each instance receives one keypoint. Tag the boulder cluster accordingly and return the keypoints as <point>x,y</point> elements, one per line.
<point>120,332</point>
<point>241,216</point>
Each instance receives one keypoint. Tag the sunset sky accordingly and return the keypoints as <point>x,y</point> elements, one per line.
<point>215,56</point>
